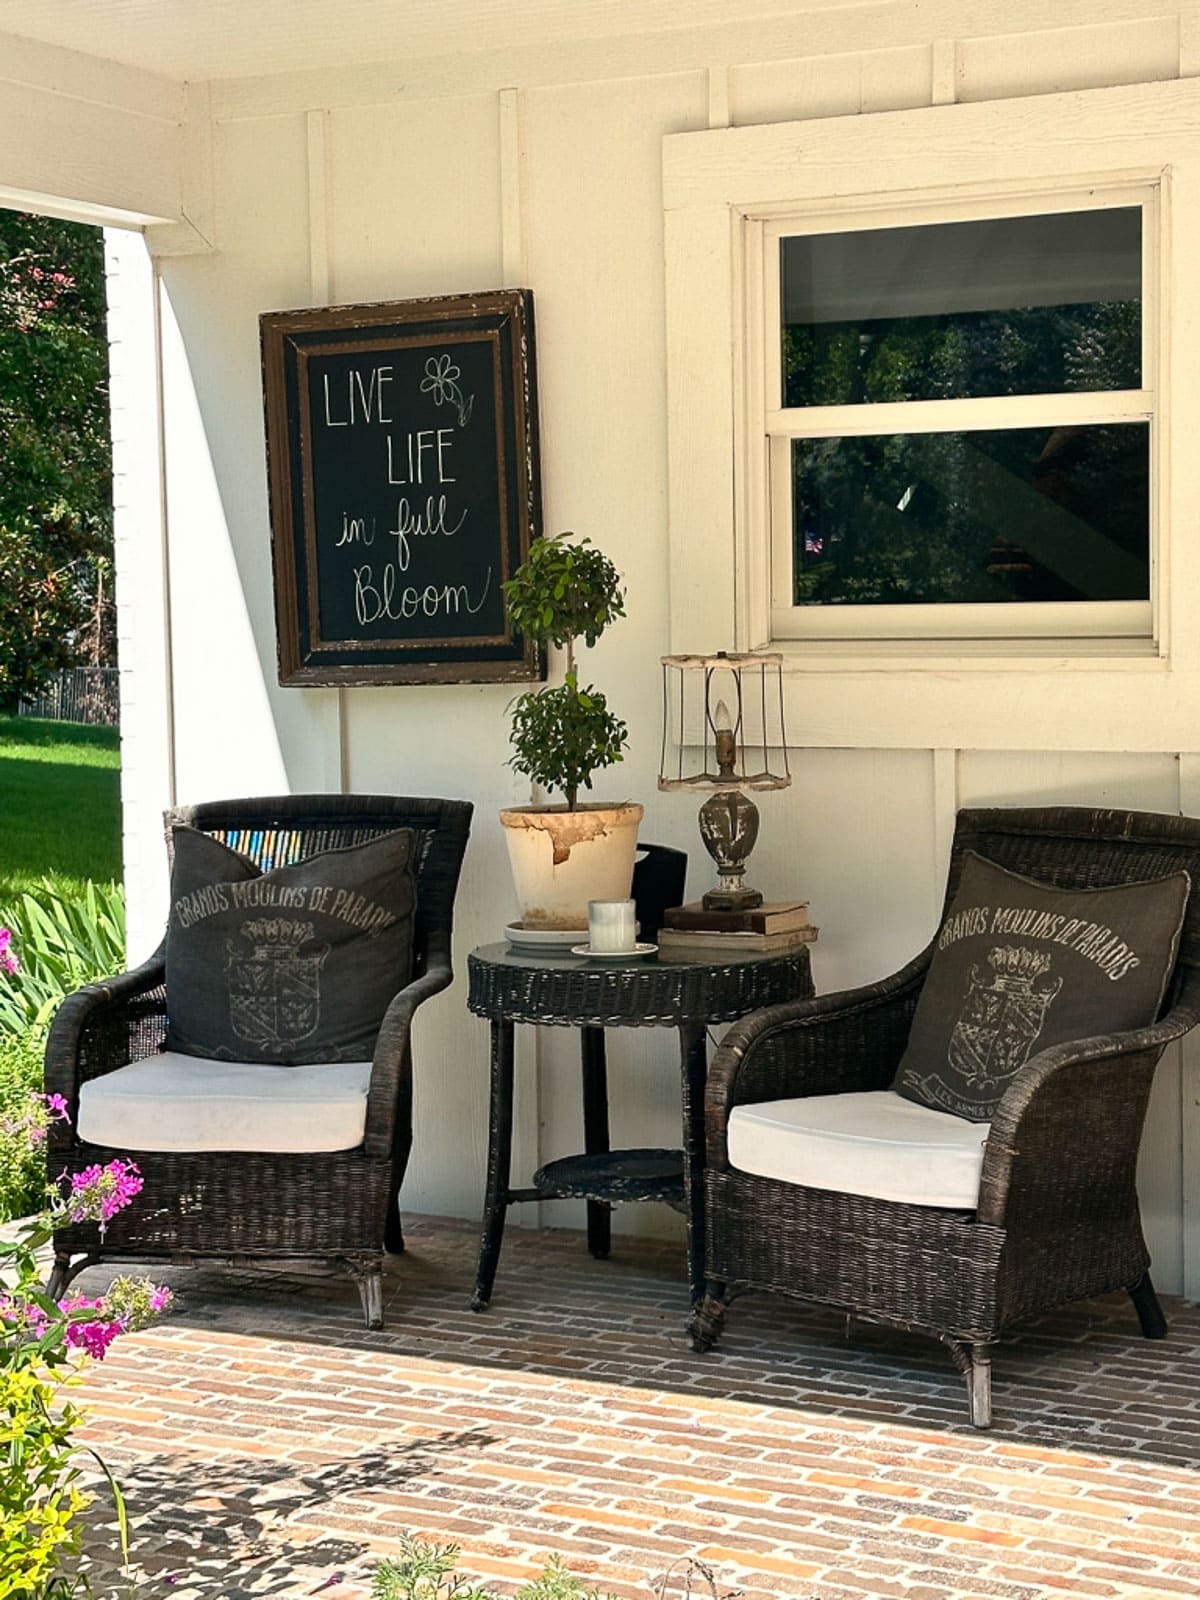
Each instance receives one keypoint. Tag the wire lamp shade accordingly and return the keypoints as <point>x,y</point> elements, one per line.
<point>723,730</point>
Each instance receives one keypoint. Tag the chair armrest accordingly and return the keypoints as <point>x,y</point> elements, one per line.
<point>1065,1136</point>
<point>391,1065</point>
<point>834,1044</point>
<point>100,1028</point>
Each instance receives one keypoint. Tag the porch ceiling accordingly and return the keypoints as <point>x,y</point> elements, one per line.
<point>199,39</point>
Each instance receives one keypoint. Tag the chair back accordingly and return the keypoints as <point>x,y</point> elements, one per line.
<point>275,831</point>
<point>659,875</point>
<point>1075,847</point>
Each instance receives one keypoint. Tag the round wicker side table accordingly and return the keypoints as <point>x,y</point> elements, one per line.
<point>508,986</point>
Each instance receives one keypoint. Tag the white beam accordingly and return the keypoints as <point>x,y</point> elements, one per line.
<point>88,139</point>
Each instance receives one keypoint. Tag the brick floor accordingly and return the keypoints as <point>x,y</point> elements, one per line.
<point>267,1444</point>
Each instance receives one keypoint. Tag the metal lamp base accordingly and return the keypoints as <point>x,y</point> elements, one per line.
<point>729,828</point>
<point>731,899</point>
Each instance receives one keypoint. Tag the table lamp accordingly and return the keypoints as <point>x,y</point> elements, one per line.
<point>722,726</point>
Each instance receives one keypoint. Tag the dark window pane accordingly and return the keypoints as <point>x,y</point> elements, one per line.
<point>1010,305</point>
<point>1021,514</point>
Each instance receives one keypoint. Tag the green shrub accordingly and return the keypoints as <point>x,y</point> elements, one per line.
<point>43,1347</point>
<point>426,1572</point>
<point>22,1164</point>
<point>60,943</point>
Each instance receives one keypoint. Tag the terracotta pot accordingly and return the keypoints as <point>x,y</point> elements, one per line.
<point>562,859</point>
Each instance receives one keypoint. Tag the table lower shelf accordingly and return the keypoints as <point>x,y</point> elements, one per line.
<point>612,1176</point>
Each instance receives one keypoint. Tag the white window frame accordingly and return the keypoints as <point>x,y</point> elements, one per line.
<point>779,426</point>
<point>1134,692</point>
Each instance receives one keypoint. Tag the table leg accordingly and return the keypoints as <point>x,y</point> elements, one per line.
<point>499,1163</point>
<point>595,1132</point>
<point>693,1048</point>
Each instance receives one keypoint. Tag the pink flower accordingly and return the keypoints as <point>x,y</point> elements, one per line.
<point>38,1111</point>
<point>98,1193</point>
<point>93,1337</point>
<point>8,959</point>
<point>23,1317</point>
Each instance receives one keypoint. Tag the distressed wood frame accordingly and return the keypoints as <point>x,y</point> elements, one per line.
<point>466,316</point>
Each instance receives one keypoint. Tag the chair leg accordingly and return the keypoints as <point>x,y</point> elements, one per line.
<point>974,1361</point>
<point>370,1292</point>
<point>1150,1313</point>
<point>979,1386</point>
<point>63,1273</point>
<point>708,1317</point>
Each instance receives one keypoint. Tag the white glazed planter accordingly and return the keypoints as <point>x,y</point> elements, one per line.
<point>562,859</point>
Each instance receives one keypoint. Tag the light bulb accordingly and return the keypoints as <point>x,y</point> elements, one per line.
<point>726,744</point>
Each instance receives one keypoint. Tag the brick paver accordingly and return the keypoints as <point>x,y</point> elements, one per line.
<point>268,1444</point>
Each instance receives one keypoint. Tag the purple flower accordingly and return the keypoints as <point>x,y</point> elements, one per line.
<point>56,1107</point>
<point>98,1193</point>
<point>8,959</point>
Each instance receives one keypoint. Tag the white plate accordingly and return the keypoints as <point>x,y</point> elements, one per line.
<point>612,955</point>
<point>542,938</point>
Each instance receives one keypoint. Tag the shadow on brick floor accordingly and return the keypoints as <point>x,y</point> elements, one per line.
<point>269,1444</point>
<point>1081,1376</point>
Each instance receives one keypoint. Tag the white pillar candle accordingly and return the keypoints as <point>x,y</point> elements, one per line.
<point>612,926</point>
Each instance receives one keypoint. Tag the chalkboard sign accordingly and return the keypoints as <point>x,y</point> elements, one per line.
<point>402,460</point>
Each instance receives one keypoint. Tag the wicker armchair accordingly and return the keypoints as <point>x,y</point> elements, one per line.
<point>1057,1216</point>
<point>296,1209</point>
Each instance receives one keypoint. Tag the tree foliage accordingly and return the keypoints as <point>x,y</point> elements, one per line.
<point>1030,513</point>
<point>55,456</point>
<point>562,593</point>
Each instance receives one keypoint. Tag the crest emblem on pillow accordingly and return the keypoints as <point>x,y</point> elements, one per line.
<point>1020,966</point>
<point>1002,1015</point>
<point>275,985</point>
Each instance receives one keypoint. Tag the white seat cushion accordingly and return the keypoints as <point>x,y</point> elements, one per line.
<point>875,1143</point>
<point>178,1102</point>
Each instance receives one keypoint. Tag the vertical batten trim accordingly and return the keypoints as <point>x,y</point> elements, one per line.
<point>336,750</point>
<point>944,72</point>
<point>513,232</point>
<point>319,270</point>
<point>532,1052</point>
<point>1188,25</point>
<point>945,814</point>
<point>1189,1095</point>
<point>718,97</point>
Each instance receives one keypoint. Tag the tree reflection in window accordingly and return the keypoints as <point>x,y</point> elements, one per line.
<point>1049,513</point>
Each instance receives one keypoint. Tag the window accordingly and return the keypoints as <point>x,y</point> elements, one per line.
<point>958,405</point>
<point>1059,606</point>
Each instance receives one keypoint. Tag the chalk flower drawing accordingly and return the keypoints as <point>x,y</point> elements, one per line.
<point>441,381</point>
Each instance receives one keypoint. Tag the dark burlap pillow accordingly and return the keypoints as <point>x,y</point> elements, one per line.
<point>1020,966</point>
<point>291,966</point>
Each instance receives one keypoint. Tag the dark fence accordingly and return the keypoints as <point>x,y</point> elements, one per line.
<point>78,694</point>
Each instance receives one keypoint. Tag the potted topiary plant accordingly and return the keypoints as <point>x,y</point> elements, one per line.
<point>565,854</point>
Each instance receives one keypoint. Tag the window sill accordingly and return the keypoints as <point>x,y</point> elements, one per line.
<point>971,655</point>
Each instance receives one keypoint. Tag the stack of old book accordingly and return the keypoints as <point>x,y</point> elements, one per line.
<point>769,929</point>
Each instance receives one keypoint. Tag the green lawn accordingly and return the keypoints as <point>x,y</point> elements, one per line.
<point>60,804</point>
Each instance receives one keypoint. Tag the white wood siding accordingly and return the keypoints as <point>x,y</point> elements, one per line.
<point>541,164</point>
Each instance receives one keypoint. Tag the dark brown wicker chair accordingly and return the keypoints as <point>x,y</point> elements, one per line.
<point>298,1210</point>
<point>1057,1218</point>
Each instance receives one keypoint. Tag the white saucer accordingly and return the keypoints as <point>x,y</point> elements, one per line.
<point>612,955</point>
<point>541,938</point>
